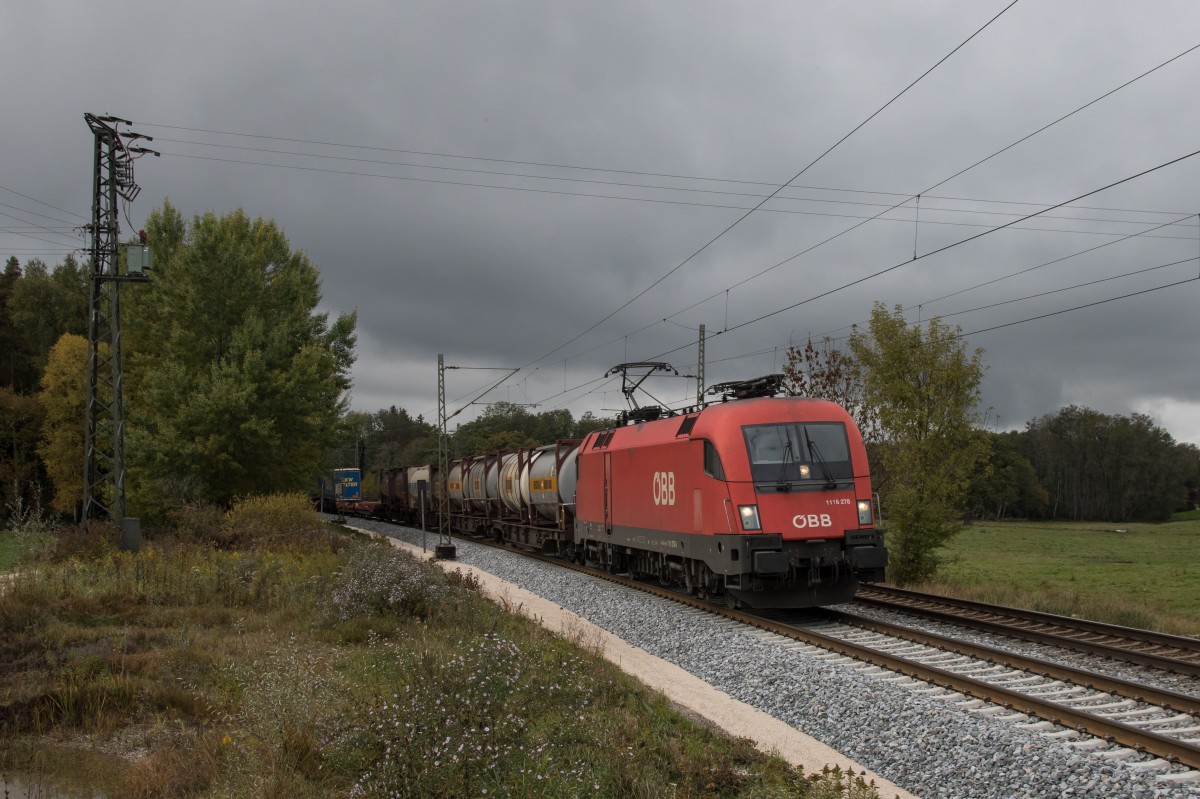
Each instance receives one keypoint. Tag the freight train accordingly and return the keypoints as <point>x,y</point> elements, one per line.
<point>761,499</point>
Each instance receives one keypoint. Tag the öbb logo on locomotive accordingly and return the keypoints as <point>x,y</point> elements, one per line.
<point>664,488</point>
<point>803,521</point>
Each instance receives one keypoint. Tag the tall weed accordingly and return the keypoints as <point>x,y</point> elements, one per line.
<point>33,530</point>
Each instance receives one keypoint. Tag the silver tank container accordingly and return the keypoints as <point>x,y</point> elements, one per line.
<point>510,482</point>
<point>551,481</point>
<point>482,489</point>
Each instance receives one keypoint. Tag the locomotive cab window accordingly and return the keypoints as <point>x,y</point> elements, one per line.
<point>813,454</point>
<point>712,462</point>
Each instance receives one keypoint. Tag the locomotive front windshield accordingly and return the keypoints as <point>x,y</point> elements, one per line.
<point>813,453</point>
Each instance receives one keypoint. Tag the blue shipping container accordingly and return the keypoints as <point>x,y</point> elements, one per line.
<point>346,483</point>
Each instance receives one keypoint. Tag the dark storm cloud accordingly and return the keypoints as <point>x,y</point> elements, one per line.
<point>506,271</point>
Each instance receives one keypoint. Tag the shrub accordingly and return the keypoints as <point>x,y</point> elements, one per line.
<point>380,580</point>
<point>275,519</point>
<point>196,521</point>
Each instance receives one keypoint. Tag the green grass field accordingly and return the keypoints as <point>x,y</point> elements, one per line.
<point>1142,575</point>
<point>8,551</point>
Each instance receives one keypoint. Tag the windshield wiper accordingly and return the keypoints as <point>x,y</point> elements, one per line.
<point>815,451</point>
<point>781,482</point>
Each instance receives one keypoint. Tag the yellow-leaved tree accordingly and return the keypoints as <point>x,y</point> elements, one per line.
<point>63,397</point>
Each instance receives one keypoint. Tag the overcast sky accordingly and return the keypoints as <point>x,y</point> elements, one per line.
<point>497,181</point>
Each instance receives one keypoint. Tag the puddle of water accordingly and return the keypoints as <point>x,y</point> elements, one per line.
<point>17,787</point>
<point>32,768</point>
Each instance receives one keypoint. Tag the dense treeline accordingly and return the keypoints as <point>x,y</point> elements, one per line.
<point>234,383</point>
<point>392,437</point>
<point>1084,465</point>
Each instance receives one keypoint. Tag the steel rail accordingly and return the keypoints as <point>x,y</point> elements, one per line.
<point>1154,743</point>
<point>923,605</point>
<point>1171,700</point>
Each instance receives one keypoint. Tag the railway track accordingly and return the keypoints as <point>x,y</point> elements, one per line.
<point>1172,653</point>
<point>1123,719</point>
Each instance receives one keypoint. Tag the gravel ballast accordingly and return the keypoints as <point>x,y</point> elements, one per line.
<point>928,746</point>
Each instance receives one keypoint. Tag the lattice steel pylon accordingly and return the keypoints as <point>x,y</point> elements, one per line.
<point>104,437</point>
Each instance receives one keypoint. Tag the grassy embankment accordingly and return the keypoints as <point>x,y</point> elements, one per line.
<point>1138,575</point>
<point>289,660</point>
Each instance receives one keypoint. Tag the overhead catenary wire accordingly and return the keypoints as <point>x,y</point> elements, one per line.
<point>1080,307</point>
<point>1076,111</point>
<point>811,164</point>
<point>1027,270</point>
<point>961,242</point>
<point>959,173</point>
<point>1026,298</point>
<point>1057,260</point>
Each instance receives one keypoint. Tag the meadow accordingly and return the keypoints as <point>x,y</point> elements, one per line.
<point>1138,575</point>
<point>262,654</point>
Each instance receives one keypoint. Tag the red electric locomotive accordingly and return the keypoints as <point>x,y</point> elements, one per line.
<point>766,500</point>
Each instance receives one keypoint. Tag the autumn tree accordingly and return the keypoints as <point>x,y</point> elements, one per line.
<point>823,371</point>
<point>64,399</point>
<point>507,426</point>
<point>235,382</point>
<point>393,435</point>
<point>590,422</point>
<point>924,386</point>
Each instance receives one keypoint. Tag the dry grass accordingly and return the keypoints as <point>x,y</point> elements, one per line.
<point>284,663</point>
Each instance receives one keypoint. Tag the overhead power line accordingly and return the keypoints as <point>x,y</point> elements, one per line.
<point>1012,225</point>
<point>795,177</point>
<point>959,243</point>
<point>1079,307</point>
<point>944,181</point>
<point>611,170</point>
<point>40,202</point>
<point>676,189</point>
<point>664,201</point>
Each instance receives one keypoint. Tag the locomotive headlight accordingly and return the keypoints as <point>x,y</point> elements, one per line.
<point>804,470</point>
<point>864,512</point>
<point>749,517</point>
